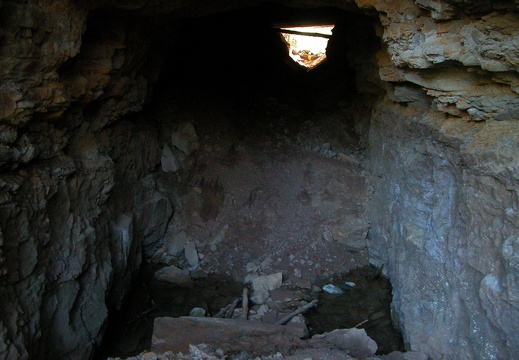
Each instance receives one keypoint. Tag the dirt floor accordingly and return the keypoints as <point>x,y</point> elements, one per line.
<point>271,188</point>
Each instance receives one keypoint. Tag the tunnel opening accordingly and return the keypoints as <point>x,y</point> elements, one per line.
<point>263,164</point>
<point>243,49</point>
<point>307,45</point>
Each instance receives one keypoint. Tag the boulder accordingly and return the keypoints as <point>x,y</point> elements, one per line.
<point>191,254</point>
<point>185,139</point>
<point>260,296</point>
<point>267,282</point>
<point>355,341</point>
<point>168,160</point>
<point>197,312</point>
<point>176,243</point>
<point>174,275</point>
<point>176,334</point>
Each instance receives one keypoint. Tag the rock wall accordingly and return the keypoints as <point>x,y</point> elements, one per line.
<point>75,201</point>
<point>444,221</point>
<point>445,165</point>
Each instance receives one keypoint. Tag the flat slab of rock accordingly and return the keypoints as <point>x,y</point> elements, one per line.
<point>328,354</point>
<point>176,334</point>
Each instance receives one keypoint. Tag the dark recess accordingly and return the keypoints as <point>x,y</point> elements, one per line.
<point>240,53</point>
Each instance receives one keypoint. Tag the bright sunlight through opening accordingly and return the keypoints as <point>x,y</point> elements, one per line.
<point>307,45</point>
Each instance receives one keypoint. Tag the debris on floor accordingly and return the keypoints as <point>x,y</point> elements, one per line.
<point>275,200</point>
<point>216,339</point>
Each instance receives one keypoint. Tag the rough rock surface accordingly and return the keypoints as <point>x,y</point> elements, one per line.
<point>78,207</point>
<point>70,241</point>
<point>176,334</point>
<point>444,221</point>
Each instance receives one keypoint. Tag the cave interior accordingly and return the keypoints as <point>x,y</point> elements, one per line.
<point>267,166</point>
<point>147,147</point>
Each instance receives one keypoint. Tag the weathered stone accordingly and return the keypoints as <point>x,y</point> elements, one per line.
<point>352,235</point>
<point>198,274</point>
<point>175,243</point>
<point>440,10</point>
<point>262,310</point>
<point>180,143</point>
<point>123,249</point>
<point>267,282</point>
<point>354,341</point>
<point>332,289</point>
<point>191,254</point>
<point>347,159</point>
<point>157,211</point>
<point>410,94</point>
<point>8,134</point>
<point>185,139</point>
<point>260,296</point>
<point>176,334</point>
<point>444,209</point>
<point>197,312</point>
<point>168,160</point>
<point>174,275</point>
<point>428,209</point>
<point>261,286</point>
<point>123,232</point>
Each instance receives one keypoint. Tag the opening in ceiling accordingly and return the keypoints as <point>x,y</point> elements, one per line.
<point>307,44</point>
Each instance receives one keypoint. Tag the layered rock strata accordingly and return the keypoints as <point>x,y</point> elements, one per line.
<point>445,169</point>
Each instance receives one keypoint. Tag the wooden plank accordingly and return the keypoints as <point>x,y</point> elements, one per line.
<point>176,334</point>
<point>294,32</point>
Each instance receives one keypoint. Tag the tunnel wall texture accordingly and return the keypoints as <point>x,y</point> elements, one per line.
<point>77,202</point>
<point>444,214</point>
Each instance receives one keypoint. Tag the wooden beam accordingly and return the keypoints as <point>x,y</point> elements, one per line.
<point>301,310</point>
<point>294,32</point>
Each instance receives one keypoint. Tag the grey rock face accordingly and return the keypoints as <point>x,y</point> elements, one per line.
<point>444,221</point>
<point>185,139</point>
